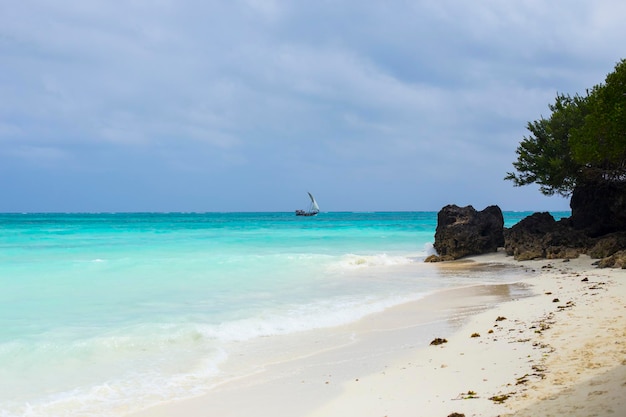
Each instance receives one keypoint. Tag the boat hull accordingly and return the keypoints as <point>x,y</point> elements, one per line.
<point>306,213</point>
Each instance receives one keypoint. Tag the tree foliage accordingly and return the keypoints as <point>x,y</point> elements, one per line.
<point>600,143</point>
<point>583,140</point>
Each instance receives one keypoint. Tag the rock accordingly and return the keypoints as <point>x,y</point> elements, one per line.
<point>616,260</point>
<point>606,246</point>
<point>433,258</point>
<point>540,236</point>
<point>438,341</point>
<point>599,208</point>
<point>463,231</point>
<point>611,250</point>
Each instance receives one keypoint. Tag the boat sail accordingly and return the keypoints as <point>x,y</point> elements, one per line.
<point>313,208</point>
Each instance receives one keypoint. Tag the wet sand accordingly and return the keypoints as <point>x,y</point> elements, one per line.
<point>554,344</point>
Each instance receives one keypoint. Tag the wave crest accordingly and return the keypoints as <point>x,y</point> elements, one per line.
<point>351,261</point>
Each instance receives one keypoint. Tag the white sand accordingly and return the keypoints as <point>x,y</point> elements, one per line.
<point>551,358</point>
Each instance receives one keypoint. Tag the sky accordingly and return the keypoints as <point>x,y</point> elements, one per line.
<point>245,105</point>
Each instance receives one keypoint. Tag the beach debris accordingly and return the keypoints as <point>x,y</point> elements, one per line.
<point>542,326</point>
<point>556,300</point>
<point>584,279</point>
<point>543,346</point>
<point>469,395</point>
<point>456,415</point>
<point>569,304</point>
<point>538,368</point>
<point>500,318</point>
<point>490,331</point>
<point>499,399</point>
<point>475,335</point>
<point>438,341</point>
<point>524,379</point>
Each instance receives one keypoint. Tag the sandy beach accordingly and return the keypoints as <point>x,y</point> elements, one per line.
<point>552,345</point>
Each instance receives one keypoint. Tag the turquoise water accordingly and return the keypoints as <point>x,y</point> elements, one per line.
<point>105,313</point>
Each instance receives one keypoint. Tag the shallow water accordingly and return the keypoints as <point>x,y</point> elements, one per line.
<point>105,313</point>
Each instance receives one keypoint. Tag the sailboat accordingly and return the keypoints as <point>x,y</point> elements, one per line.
<point>313,208</point>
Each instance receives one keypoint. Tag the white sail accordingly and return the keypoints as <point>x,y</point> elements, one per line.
<point>314,206</point>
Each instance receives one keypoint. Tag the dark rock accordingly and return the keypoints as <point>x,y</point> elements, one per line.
<point>456,415</point>
<point>540,236</point>
<point>463,231</point>
<point>606,246</point>
<point>616,260</point>
<point>438,341</point>
<point>599,208</point>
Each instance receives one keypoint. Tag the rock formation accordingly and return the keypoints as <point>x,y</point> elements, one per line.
<point>599,208</point>
<point>607,245</point>
<point>616,260</point>
<point>464,231</point>
<point>540,236</point>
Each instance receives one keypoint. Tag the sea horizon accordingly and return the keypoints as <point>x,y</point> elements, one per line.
<point>558,212</point>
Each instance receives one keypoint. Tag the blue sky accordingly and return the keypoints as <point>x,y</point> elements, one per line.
<point>245,105</point>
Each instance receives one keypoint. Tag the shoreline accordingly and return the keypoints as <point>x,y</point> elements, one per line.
<point>562,352</point>
<point>388,368</point>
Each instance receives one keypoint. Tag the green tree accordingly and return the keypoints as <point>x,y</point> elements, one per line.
<point>599,144</point>
<point>583,141</point>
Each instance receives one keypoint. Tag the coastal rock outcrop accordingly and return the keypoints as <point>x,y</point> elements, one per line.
<point>599,208</point>
<point>616,260</point>
<point>607,245</point>
<point>540,236</point>
<point>464,231</point>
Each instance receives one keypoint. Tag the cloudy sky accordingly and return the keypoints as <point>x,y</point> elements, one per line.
<point>245,105</point>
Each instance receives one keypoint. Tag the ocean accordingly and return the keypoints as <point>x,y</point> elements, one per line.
<point>105,314</point>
